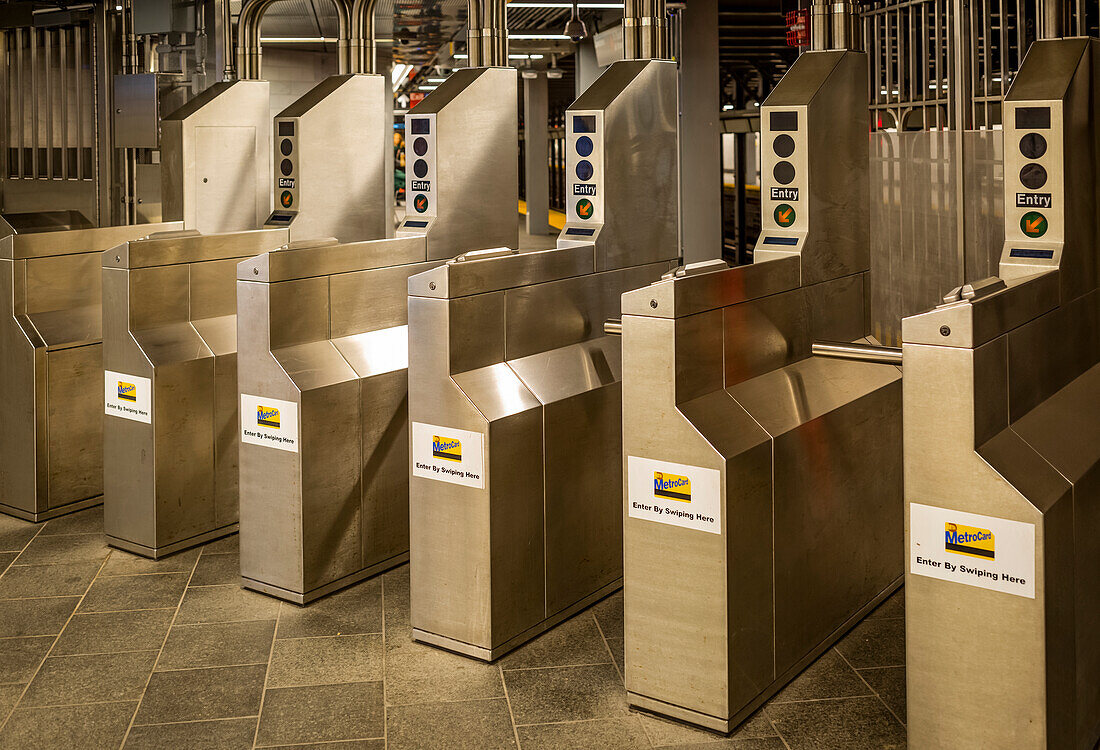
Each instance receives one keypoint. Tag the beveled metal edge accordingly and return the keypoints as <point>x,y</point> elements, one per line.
<point>57,512</point>
<point>312,595</point>
<point>327,260</point>
<point>156,553</point>
<point>478,276</point>
<point>167,251</point>
<point>76,241</point>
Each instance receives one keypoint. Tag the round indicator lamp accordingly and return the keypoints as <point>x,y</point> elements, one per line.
<point>286,167</point>
<point>286,146</point>
<point>420,203</point>
<point>1033,145</point>
<point>286,200</point>
<point>584,146</point>
<point>783,146</point>
<point>420,146</point>
<point>420,168</point>
<point>1033,176</point>
<point>585,170</point>
<point>783,173</point>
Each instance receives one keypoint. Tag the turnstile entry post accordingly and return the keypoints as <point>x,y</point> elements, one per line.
<point>323,350</point>
<point>170,388</point>
<point>1002,446</point>
<point>216,158</point>
<point>51,339</point>
<point>514,388</point>
<point>332,150</point>
<point>763,485</point>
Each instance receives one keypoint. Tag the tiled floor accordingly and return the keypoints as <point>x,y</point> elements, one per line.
<point>101,649</point>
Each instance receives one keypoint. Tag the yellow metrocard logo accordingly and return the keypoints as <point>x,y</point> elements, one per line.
<point>446,448</point>
<point>671,486</point>
<point>127,391</point>
<point>968,540</point>
<point>268,416</point>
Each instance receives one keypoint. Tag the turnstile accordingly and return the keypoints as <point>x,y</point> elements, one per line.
<point>51,458</point>
<point>514,390</point>
<point>324,355</point>
<point>216,151</point>
<point>332,150</point>
<point>763,503</point>
<point>170,387</point>
<point>1002,447</point>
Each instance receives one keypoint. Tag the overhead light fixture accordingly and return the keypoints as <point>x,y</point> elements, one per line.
<point>522,56</point>
<point>435,80</point>
<point>427,88</point>
<point>461,57</point>
<point>297,40</point>
<point>575,28</point>
<point>593,6</point>
<point>537,36</point>
<point>398,75</point>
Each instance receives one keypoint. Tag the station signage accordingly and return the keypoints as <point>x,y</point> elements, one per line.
<point>981,551</point>
<point>286,182</point>
<point>270,422</point>
<point>448,454</point>
<point>784,194</point>
<point>128,396</point>
<point>423,186</point>
<point>1033,200</point>
<point>674,494</point>
<point>581,189</point>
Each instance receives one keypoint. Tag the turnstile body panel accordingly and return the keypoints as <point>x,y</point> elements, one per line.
<point>515,395</point>
<point>170,387</point>
<point>763,486</point>
<point>51,458</point>
<point>216,152</point>
<point>332,150</point>
<point>1002,446</point>
<point>324,429</point>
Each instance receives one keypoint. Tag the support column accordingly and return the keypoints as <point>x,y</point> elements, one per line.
<point>588,70</point>
<point>700,134</point>
<point>382,65</point>
<point>536,155</point>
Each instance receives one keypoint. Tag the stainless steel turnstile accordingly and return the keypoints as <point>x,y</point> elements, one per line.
<point>324,353</point>
<point>333,148</point>
<point>763,485</point>
<point>170,387</point>
<point>514,390</point>
<point>216,151</point>
<point>1002,447</point>
<point>51,458</point>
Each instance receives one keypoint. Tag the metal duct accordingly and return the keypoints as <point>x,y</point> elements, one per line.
<point>645,30</point>
<point>487,34</point>
<point>249,51</point>
<point>364,47</point>
<point>630,30</point>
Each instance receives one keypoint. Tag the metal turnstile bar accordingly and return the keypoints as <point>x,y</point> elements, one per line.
<point>884,355</point>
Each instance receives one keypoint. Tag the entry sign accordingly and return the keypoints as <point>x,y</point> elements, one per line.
<point>1033,224</point>
<point>981,551</point>
<point>675,494</point>
<point>784,215</point>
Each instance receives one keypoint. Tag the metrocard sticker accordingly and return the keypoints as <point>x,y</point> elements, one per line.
<point>982,551</point>
<point>270,422</point>
<point>127,396</point>
<point>676,494</point>
<point>448,455</point>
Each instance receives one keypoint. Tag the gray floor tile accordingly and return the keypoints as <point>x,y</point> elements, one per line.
<point>87,521</point>
<point>609,614</point>
<point>326,661</point>
<point>541,696</point>
<point>226,544</point>
<point>746,743</point>
<point>224,734</point>
<point>125,564</point>
<point>65,579</point>
<point>20,657</point>
<point>50,550</point>
<point>218,645</point>
<point>14,533</point>
<point>618,652</point>
<point>99,726</point>
<point>20,617</point>
<point>892,607</point>
<point>669,733</point>
<point>66,680</point>
<point>124,593</point>
<point>889,683</point>
<point>225,604</point>
<point>573,642</point>
<point>200,694</point>
<point>6,559</point>
<point>321,713</point>
<point>464,725</point>
<point>352,611</point>
<point>855,723</point>
<point>111,632</point>
<point>828,677</point>
<point>875,643</point>
<point>217,570</point>
<point>9,696</point>
<point>416,673</point>
<point>625,733</point>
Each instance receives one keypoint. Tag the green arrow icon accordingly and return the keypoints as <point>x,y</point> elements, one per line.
<point>1033,224</point>
<point>584,208</point>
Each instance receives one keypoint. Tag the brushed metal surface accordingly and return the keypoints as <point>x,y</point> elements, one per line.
<point>51,339</point>
<point>169,315</point>
<point>216,158</point>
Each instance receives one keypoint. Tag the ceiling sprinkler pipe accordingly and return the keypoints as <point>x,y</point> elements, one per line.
<point>364,52</point>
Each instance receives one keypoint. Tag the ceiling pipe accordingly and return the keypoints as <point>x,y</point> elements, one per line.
<point>487,33</point>
<point>630,30</point>
<point>474,57</point>
<point>363,38</point>
<point>249,51</point>
<point>230,72</point>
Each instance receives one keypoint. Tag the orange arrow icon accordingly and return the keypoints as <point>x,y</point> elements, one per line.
<point>784,215</point>
<point>584,210</point>
<point>1033,225</point>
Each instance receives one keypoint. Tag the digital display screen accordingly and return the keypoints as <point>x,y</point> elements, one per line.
<point>1030,118</point>
<point>578,230</point>
<point>1028,252</point>
<point>286,127</point>
<point>780,241</point>
<point>783,121</point>
<point>584,123</point>
<point>417,224</point>
<point>280,217</point>
<point>421,126</point>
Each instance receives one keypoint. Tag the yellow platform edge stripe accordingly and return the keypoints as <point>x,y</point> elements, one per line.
<point>557,218</point>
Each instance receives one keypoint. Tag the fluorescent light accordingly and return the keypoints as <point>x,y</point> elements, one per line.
<point>297,39</point>
<point>566,6</point>
<point>537,36</point>
<point>435,80</point>
<point>727,107</point>
<point>521,56</point>
<point>461,57</point>
<point>427,88</point>
<point>399,73</point>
